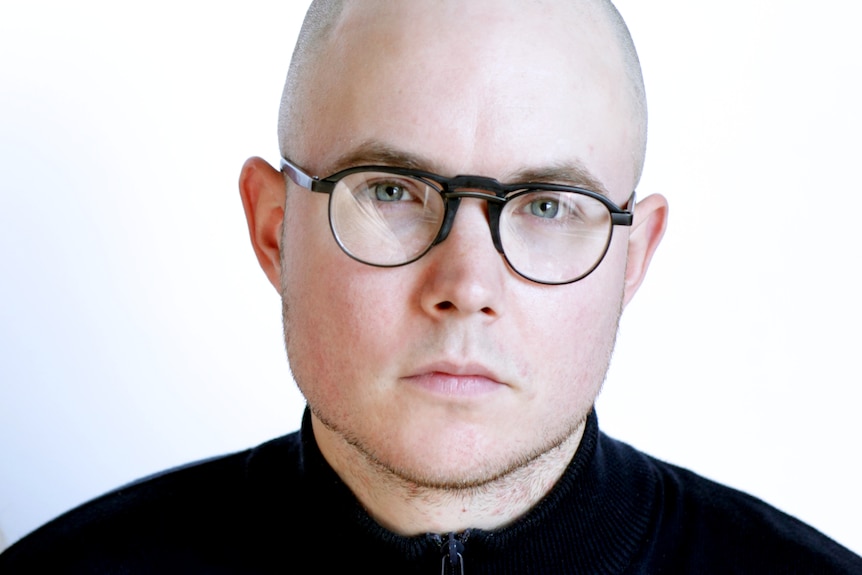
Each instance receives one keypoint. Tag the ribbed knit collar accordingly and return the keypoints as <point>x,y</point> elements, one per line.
<point>593,521</point>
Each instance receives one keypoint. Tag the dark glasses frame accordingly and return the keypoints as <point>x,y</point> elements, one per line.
<point>469,186</point>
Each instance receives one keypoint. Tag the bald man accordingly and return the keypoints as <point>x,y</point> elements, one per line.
<point>454,232</point>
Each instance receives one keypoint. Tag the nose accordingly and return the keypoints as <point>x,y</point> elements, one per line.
<point>465,274</point>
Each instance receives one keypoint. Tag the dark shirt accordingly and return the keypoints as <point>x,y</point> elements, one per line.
<point>280,508</point>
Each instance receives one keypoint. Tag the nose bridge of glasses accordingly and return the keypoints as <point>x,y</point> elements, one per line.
<point>475,187</point>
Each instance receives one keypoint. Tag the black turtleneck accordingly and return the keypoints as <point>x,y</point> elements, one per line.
<point>280,508</point>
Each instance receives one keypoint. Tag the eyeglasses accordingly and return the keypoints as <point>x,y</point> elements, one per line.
<point>386,217</point>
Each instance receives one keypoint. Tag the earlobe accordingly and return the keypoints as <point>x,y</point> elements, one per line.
<point>262,190</point>
<point>646,233</point>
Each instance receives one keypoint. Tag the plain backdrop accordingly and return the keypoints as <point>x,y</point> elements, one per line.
<point>137,331</point>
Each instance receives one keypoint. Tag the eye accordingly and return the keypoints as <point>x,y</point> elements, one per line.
<point>389,192</point>
<point>545,208</point>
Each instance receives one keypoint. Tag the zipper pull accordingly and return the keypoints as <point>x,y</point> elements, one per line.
<point>453,555</point>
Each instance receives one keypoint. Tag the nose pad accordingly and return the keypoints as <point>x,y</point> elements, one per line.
<point>452,204</point>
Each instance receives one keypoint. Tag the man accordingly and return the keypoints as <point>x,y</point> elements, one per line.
<point>454,234</point>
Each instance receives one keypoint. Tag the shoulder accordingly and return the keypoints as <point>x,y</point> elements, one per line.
<point>704,527</point>
<point>199,510</point>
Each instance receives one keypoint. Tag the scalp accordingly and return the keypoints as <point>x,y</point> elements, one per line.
<point>323,17</point>
<point>319,21</point>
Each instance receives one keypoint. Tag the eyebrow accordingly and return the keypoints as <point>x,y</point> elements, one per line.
<point>571,173</point>
<point>376,153</point>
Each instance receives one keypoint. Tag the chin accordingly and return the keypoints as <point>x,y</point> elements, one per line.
<point>459,459</point>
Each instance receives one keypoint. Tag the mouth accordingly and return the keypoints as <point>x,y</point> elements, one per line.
<point>455,380</point>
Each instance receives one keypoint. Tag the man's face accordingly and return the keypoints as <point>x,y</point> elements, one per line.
<point>453,369</point>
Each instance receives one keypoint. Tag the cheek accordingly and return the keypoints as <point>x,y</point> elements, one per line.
<point>573,328</point>
<point>336,310</point>
<point>309,277</point>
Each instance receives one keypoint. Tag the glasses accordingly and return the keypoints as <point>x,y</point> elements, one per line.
<point>386,217</point>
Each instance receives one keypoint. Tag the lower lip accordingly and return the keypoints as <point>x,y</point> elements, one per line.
<point>455,385</point>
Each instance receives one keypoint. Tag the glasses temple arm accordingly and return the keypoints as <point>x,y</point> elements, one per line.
<point>300,178</point>
<point>626,217</point>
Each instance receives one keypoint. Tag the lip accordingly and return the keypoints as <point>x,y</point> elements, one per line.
<point>456,380</point>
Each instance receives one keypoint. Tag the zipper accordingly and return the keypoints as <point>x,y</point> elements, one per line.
<point>452,551</point>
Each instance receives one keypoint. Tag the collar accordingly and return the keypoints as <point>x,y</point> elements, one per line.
<point>595,519</point>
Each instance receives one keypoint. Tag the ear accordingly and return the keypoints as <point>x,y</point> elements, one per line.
<point>262,189</point>
<point>647,230</point>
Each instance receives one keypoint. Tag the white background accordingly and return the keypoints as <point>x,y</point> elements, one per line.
<point>137,332</point>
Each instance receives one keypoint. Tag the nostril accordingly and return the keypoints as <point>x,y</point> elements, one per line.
<point>487,311</point>
<point>445,305</point>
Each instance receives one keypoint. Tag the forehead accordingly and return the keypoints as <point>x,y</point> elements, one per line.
<point>491,88</point>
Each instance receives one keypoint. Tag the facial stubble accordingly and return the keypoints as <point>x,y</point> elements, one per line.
<point>516,467</point>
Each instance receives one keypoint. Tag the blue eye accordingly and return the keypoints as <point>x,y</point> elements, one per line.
<point>389,192</point>
<point>545,208</point>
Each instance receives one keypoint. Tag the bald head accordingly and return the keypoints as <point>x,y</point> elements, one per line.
<point>540,94</point>
<point>326,19</point>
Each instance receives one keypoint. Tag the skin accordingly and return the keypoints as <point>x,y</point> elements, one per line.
<point>451,393</point>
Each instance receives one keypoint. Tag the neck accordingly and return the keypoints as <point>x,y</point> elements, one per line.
<point>406,508</point>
